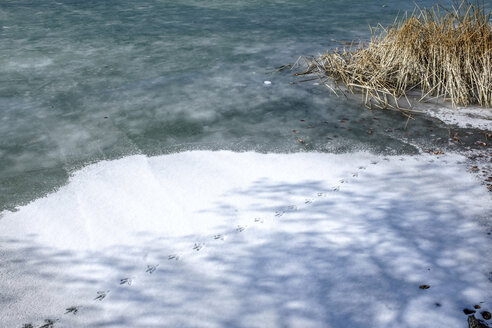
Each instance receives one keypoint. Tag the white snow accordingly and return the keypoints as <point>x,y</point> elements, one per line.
<point>285,240</point>
<point>463,117</point>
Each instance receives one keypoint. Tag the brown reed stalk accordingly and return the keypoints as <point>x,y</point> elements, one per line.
<point>444,53</point>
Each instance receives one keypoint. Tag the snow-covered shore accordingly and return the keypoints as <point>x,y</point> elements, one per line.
<point>223,239</point>
<point>462,117</point>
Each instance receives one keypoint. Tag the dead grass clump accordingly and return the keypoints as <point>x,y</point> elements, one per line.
<point>444,53</point>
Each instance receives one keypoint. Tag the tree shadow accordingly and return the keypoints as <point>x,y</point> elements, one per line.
<point>352,257</point>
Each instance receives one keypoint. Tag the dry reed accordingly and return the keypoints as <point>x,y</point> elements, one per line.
<point>444,53</point>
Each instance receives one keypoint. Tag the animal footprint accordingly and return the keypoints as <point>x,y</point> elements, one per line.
<point>279,213</point>
<point>101,295</point>
<point>27,325</point>
<point>259,220</point>
<point>362,168</point>
<point>292,207</point>
<point>240,228</point>
<point>320,194</point>
<point>48,323</point>
<point>72,309</point>
<point>374,162</point>
<point>151,268</point>
<point>198,246</point>
<point>127,281</point>
<point>173,257</point>
<point>342,181</point>
<point>336,188</point>
<point>219,237</point>
<point>355,175</point>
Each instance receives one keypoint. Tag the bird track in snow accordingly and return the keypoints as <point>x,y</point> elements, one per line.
<point>48,323</point>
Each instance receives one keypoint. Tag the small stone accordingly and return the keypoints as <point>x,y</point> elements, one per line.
<point>267,82</point>
<point>475,323</point>
<point>485,315</point>
<point>476,306</point>
<point>468,311</point>
<point>424,286</point>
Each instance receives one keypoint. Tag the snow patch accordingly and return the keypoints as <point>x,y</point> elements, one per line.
<point>223,239</point>
<point>463,117</point>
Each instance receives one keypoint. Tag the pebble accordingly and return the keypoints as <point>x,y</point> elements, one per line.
<point>475,323</point>
<point>486,315</point>
<point>468,311</point>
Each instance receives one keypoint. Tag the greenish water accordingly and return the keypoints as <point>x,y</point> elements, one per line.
<point>83,81</point>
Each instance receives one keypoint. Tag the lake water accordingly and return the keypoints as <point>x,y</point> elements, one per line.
<point>84,81</point>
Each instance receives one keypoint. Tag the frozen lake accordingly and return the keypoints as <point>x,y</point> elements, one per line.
<point>142,153</point>
<point>83,81</point>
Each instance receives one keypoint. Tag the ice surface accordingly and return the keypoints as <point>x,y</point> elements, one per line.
<point>223,239</point>
<point>84,81</point>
